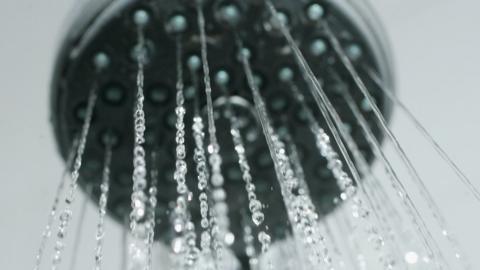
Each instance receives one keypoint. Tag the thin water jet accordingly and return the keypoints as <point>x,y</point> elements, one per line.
<point>78,234</point>
<point>102,205</point>
<point>436,213</point>
<point>349,189</point>
<point>47,232</point>
<point>301,210</point>
<point>460,174</point>
<point>220,208</point>
<point>417,219</point>
<point>138,247</point>
<point>66,215</point>
<point>152,201</point>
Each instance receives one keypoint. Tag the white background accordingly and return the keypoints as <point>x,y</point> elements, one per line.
<point>436,45</point>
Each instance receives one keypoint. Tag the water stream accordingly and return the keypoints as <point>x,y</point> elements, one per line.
<point>416,217</point>
<point>66,215</point>
<point>460,174</point>
<point>47,232</point>
<point>79,232</point>
<point>436,213</point>
<point>220,207</point>
<point>300,209</point>
<point>152,201</point>
<point>102,206</point>
<point>183,226</point>
<point>138,247</point>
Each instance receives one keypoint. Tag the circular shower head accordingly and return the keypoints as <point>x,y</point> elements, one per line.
<point>100,51</point>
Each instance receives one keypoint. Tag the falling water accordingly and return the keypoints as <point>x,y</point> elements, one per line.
<point>138,248</point>
<point>300,208</point>
<point>299,172</point>
<point>250,247</point>
<point>390,218</point>
<point>152,200</point>
<point>389,214</point>
<point>383,203</point>
<point>220,208</point>
<point>78,234</point>
<point>316,85</point>
<point>415,215</point>
<point>436,213</point>
<point>180,111</point>
<point>201,168</point>
<point>466,181</point>
<point>296,162</point>
<point>47,232</point>
<point>102,206</point>
<point>202,177</point>
<point>348,230</point>
<point>184,227</point>
<point>67,213</point>
<point>368,217</point>
<point>346,184</point>
<point>254,204</point>
<point>124,246</point>
<point>347,260</point>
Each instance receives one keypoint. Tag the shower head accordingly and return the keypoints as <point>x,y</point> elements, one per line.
<point>101,49</point>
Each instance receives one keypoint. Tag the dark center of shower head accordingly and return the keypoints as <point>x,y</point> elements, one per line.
<point>101,49</point>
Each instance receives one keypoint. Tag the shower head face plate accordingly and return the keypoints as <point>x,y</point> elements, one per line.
<point>107,38</point>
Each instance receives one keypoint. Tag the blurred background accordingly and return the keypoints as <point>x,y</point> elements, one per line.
<point>436,47</point>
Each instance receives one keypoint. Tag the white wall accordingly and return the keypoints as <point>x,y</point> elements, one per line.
<point>437,50</point>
